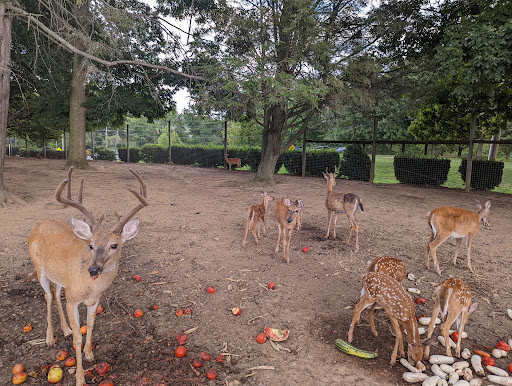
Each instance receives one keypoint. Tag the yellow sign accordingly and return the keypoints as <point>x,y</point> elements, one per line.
<point>292,147</point>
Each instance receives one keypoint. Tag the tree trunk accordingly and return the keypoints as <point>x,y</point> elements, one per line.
<point>480,148</point>
<point>77,143</point>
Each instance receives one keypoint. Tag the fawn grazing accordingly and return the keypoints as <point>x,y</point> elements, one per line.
<point>453,301</point>
<point>286,214</point>
<point>381,288</point>
<point>233,162</point>
<point>257,215</point>
<point>83,260</point>
<point>447,221</point>
<point>391,266</point>
<point>300,204</point>
<point>339,203</point>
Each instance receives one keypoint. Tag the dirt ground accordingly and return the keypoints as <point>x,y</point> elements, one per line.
<point>191,237</point>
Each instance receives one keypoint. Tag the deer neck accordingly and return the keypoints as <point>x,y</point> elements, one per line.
<point>265,204</point>
<point>329,186</point>
<point>413,335</point>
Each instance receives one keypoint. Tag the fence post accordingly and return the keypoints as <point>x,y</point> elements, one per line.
<point>469,166</point>
<point>169,130</point>
<point>92,144</point>
<point>225,142</point>
<point>127,143</point>
<point>304,153</point>
<point>374,148</point>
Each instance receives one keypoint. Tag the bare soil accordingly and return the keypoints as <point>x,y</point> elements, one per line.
<point>191,237</point>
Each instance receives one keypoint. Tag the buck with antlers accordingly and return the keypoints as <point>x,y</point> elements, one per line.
<point>257,215</point>
<point>286,213</point>
<point>453,301</point>
<point>83,260</point>
<point>339,203</point>
<point>381,288</point>
<point>447,221</point>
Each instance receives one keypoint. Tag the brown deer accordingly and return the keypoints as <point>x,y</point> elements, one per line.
<point>453,301</point>
<point>83,260</point>
<point>286,214</point>
<point>339,203</point>
<point>257,215</point>
<point>300,204</point>
<point>233,161</point>
<point>381,288</point>
<point>446,222</point>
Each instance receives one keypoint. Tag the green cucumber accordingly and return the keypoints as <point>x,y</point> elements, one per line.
<point>349,349</point>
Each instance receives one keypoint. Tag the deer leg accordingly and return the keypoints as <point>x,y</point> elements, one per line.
<point>398,341</point>
<point>329,213</point>
<point>464,320</point>
<point>263,224</point>
<point>91,318</point>
<point>334,225</point>
<point>63,322</point>
<point>46,284</point>
<point>246,231</point>
<point>74,321</point>
<point>468,246</point>
<point>458,246</point>
<point>286,251</point>
<point>431,326</point>
<point>445,330</point>
<point>278,236</point>
<point>363,303</point>
<point>290,231</point>
<point>427,261</point>
<point>372,319</point>
<point>433,245</point>
<point>256,230</point>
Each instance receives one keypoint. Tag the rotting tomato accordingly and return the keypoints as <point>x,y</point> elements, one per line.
<point>272,286</point>
<point>136,278</point>
<point>138,313</point>
<point>179,312</point>
<point>502,346</point>
<point>70,362</point>
<point>99,309</point>
<point>83,330</point>
<point>18,368</point>
<point>261,338</point>
<point>510,368</point>
<point>180,351</point>
<point>455,336</point>
<point>55,375</point>
<point>156,307</point>
<point>19,378</point>
<point>197,363</point>
<point>220,358</point>
<point>187,311</point>
<point>210,289</point>
<point>181,339</point>
<point>488,361</point>
<point>211,374</point>
<point>205,356</point>
<point>107,382</point>
<point>27,328</point>
<point>62,354</point>
<point>420,300</point>
<point>102,368</point>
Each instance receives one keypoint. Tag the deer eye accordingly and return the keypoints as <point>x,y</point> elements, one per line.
<point>113,246</point>
<point>90,246</point>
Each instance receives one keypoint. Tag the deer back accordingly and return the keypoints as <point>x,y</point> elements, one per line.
<point>458,222</point>
<point>390,266</point>
<point>455,295</point>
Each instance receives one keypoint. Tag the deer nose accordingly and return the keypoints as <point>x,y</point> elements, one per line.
<point>94,270</point>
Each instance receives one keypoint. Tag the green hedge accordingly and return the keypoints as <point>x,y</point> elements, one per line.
<point>421,170</point>
<point>355,164</point>
<point>102,153</point>
<point>485,175</point>
<point>134,154</point>
<point>316,161</point>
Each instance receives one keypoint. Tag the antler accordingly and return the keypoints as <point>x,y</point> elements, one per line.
<point>118,228</point>
<point>68,201</point>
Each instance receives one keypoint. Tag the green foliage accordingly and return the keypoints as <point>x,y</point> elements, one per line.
<point>355,164</point>
<point>134,154</point>
<point>485,175</point>
<point>316,161</point>
<point>156,154</point>
<point>421,171</point>
<point>102,153</point>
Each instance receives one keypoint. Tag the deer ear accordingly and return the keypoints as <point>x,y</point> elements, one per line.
<point>287,202</point>
<point>487,204</point>
<point>130,230</point>
<point>81,229</point>
<point>472,308</point>
<point>429,341</point>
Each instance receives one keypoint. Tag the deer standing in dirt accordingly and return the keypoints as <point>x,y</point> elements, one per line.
<point>339,203</point>
<point>233,161</point>
<point>286,214</point>
<point>83,260</point>
<point>453,301</point>
<point>447,221</point>
<point>257,215</point>
<point>300,204</point>
<point>381,288</point>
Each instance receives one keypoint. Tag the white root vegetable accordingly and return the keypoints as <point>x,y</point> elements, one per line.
<point>431,381</point>
<point>467,374</point>
<point>476,382</point>
<point>510,342</point>
<point>462,382</point>
<point>442,382</point>
<point>420,366</point>
<point>497,371</point>
<point>404,362</point>
<point>454,377</point>
<point>503,353</point>
<point>437,371</point>
<point>496,353</point>
<point>411,377</point>
<point>466,354</point>
<point>440,338</point>
<point>463,336</point>
<point>414,291</point>
<point>476,362</point>
<point>447,368</point>
<point>507,381</point>
<point>421,330</point>
<point>425,320</point>
<point>438,359</point>
<point>509,313</point>
<point>460,365</point>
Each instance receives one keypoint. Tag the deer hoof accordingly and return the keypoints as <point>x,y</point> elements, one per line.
<point>89,355</point>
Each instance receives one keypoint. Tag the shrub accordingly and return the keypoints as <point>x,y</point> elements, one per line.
<point>102,153</point>
<point>485,175</point>
<point>355,164</point>
<point>316,161</point>
<point>421,170</point>
<point>15,150</point>
<point>134,154</point>
<point>54,154</point>
<point>30,153</point>
<point>155,154</point>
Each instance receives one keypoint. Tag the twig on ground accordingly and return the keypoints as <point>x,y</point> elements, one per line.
<point>256,317</point>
